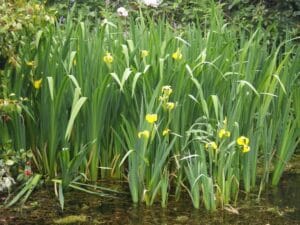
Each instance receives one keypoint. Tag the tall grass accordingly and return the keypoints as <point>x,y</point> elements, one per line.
<point>100,83</point>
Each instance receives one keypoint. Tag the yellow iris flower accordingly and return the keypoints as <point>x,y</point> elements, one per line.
<point>37,83</point>
<point>151,118</point>
<point>144,133</point>
<point>166,131</point>
<point>177,55</point>
<point>246,148</point>
<point>108,59</point>
<point>223,133</point>
<point>242,140</point>
<point>170,105</point>
<point>144,53</point>
<point>212,145</point>
<point>31,63</point>
<point>167,90</point>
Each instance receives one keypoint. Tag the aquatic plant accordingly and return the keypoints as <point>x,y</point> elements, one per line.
<point>200,108</point>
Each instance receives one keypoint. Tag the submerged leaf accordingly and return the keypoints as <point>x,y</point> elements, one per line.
<point>71,219</point>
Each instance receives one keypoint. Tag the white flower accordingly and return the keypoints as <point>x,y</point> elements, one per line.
<point>122,12</point>
<point>152,3</point>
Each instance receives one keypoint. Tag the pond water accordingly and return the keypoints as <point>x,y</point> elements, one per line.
<point>279,205</point>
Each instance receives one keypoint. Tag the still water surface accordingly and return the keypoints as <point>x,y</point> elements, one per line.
<point>279,205</point>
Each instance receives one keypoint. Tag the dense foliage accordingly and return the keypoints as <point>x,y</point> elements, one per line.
<point>19,22</point>
<point>279,15</point>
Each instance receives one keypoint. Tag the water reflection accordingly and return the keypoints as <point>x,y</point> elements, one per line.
<point>287,196</point>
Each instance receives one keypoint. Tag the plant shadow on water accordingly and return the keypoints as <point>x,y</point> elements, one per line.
<point>278,206</point>
<point>287,196</point>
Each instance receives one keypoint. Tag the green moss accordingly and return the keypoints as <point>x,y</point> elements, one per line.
<point>71,219</point>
